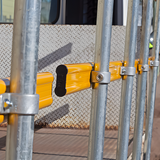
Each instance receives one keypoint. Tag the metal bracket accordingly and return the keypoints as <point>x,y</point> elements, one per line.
<point>13,103</point>
<point>101,77</point>
<point>128,71</point>
<point>154,63</point>
<point>144,67</point>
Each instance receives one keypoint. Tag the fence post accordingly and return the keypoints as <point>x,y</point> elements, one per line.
<point>142,79</point>
<point>99,95</point>
<point>20,129</point>
<point>127,83</point>
<point>152,85</point>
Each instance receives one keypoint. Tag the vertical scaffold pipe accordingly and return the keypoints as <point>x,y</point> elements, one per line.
<point>1,8</point>
<point>20,129</point>
<point>127,84</point>
<point>142,79</point>
<point>152,86</point>
<point>99,95</point>
<point>154,12</point>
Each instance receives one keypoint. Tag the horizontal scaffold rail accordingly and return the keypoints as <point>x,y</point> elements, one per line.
<point>73,78</point>
<point>44,89</point>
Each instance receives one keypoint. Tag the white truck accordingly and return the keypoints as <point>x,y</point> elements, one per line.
<point>81,12</point>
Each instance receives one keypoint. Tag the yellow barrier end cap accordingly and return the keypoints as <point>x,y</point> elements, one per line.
<point>60,89</point>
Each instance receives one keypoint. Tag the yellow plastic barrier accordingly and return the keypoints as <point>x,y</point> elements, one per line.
<point>2,87</point>
<point>2,90</point>
<point>72,78</point>
<point>1,118</point>
<point>114,68</point>
<point>44,89</point>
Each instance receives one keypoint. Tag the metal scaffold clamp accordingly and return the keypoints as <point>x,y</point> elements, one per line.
<point>144,67</point>
<point>154,63</point>
<point>128,71</point>
<point>101,77</point>
<point>13,103</point>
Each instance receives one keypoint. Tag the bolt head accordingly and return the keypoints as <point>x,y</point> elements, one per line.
<point>8,102</point>
<point>143,67</point>
<point>99,77</point>
<point>123,70</point>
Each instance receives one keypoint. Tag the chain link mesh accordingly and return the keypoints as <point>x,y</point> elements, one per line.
<point>66,45</point>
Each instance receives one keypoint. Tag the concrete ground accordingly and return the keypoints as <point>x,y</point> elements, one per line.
<point>65,144</point>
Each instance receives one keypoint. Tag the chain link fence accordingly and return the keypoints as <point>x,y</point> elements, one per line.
<point>65,45</point>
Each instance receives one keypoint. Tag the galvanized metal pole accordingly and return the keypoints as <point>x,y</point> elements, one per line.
<point>127,84</point>
<point>1,10</point>
<point>142,79</point>
<point>154,11</point>
<point>99,95</point>
<point>152,87</point>
<point>20,130</point>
